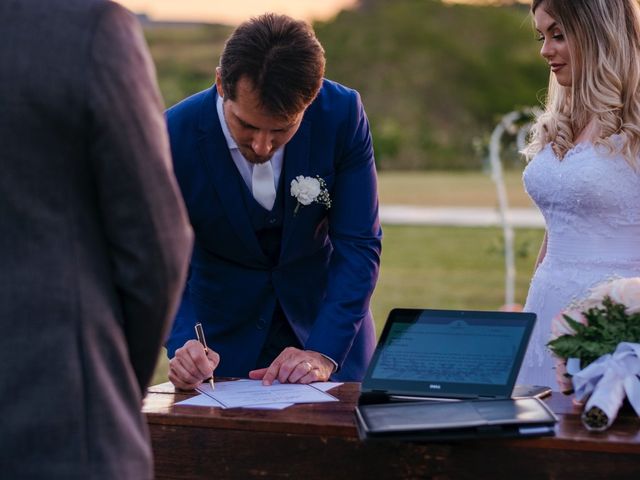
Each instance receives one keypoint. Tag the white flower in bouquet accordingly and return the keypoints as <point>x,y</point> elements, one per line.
<point>623,291</point>
<point>560,325</point>
<point>597,347</point>
<point>307,190</point>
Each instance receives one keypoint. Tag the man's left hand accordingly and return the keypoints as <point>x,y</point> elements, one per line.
<point>295,366</point>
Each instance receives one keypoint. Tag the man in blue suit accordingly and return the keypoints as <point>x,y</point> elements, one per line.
<point>277,170</point>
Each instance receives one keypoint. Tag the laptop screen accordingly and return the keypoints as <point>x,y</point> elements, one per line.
<point>449,353</point>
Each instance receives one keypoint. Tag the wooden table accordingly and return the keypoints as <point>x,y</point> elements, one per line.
<point>320,441</point>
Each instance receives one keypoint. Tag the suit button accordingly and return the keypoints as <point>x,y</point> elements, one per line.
<point>272,220</point>
<point>261,323</point>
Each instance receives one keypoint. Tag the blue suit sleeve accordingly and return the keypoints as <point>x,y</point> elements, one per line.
<point>356,236</point>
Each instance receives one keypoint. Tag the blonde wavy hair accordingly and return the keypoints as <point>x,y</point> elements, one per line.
<point>603,37</point>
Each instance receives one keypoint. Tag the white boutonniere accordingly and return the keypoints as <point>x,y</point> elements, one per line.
<point>307,190</point>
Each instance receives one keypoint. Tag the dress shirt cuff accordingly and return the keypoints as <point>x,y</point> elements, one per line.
<point>335,364</point>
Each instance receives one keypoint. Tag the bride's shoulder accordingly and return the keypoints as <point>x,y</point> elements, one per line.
<point>545,153</point>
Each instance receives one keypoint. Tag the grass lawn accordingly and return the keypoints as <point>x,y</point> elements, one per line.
<point>449,189</point>
<point>443,267</point>
<point>449,267</point>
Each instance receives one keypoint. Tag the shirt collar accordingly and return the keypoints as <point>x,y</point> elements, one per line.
<point>231,143</point>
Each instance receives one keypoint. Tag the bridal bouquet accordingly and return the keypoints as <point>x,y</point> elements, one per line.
<point>597,347</point>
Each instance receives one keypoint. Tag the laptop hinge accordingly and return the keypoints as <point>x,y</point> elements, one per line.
<point>373,396</point>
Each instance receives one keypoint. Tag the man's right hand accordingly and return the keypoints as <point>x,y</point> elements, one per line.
<point>190,365</point>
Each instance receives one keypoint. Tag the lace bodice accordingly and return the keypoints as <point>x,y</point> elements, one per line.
<point>591,204</point>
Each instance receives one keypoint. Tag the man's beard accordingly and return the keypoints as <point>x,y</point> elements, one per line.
<point>251,156</point>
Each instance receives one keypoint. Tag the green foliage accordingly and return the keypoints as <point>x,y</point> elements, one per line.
<point>185,57</point>
<point>606,327</point>
<point>440,75</point>
<point>435,78</point>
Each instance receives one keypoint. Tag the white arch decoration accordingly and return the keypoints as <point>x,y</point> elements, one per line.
<point>510,124</point>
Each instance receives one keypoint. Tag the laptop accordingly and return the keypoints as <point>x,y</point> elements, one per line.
<point>454,372</point>
<point>466,419</point>
<point>449,355</point>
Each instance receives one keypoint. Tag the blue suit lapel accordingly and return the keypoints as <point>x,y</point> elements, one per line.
<point>296,162</point>
<point>219,165</point>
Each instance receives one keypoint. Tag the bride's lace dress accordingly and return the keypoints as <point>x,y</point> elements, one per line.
<point>591,204</point>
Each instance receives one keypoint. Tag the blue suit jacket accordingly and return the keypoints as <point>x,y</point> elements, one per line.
<point>329,259</point>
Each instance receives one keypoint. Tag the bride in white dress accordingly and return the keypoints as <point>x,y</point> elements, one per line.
<point>584,172</point>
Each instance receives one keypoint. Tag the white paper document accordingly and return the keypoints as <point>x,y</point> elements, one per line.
<point>200,401</point>
<point>252,394</point>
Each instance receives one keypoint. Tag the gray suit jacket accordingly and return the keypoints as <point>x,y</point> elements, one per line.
<point>94,239</point>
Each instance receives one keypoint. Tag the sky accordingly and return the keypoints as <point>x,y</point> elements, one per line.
<point>235,11</point>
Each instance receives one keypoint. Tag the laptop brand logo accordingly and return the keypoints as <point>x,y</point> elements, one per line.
<point>434,387</point>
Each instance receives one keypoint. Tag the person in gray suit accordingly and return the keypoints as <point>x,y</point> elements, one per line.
<point>94,240</point>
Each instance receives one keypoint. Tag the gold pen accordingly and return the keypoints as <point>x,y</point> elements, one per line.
<point>203,342</point>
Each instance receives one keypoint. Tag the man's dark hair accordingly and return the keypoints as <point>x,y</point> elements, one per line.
<point>281,57</point>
